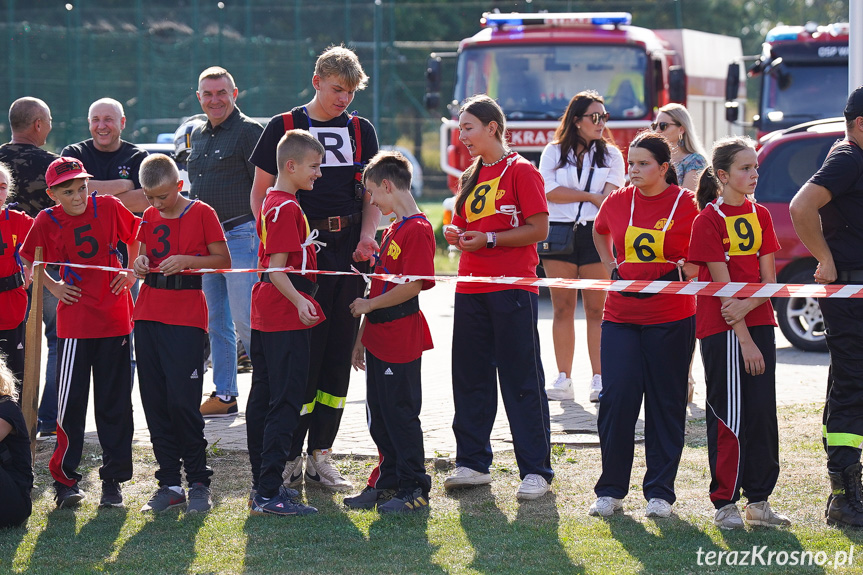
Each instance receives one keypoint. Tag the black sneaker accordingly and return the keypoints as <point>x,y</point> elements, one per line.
<point>112,495</point>
<point>369,497</point>
<point>67,496</point>
<point>199,499</point>
<point>406,501</point>
<point>165,498</point>
<point>282,504</point>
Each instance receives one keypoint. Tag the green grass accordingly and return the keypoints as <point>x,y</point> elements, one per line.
<point>483,530</point>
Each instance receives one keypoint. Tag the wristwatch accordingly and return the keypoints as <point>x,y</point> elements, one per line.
<point>491,239</point>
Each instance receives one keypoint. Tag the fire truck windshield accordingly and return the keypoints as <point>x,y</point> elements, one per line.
<point>536,82</point>
<point>793,94</point>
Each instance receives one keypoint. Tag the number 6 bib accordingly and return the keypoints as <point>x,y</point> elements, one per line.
<point>645,245</point>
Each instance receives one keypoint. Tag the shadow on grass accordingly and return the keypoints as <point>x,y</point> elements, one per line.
<point>167,538</point>
<point>529,544</point>
<point>83,550</point>
<point>775,540</point>
<point>673,550</point>
<point>10,539</point>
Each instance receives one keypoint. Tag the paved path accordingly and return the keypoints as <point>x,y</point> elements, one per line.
<point>801,378</point>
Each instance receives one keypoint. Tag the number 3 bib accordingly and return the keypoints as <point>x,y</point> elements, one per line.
<point>645,245</point>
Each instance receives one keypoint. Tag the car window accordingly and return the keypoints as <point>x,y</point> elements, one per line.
<point>789,166</point>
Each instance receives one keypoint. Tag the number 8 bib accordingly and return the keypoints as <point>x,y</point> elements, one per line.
<point>481,201</point>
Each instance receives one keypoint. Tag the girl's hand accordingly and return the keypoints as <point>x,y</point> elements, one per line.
<point>174,264</point>
<point>734,310</point>
<point>360,306</point>
<point>472,241</point>
<point>451,234</point>
<point>308,313</point>
<point>753,361</point>
<point>358,357</point>
<point>141,266</point>
<point>66,293</point>
<point>121,282</point>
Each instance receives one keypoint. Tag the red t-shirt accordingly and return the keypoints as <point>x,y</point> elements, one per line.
<point>407,248</point>
<point>189,234</point>
<point>90,238</point>
<point>14,226</point>
<point>503,199</point>
<point>282,229</point>
<point>644,252</point>
<point>753,236</point>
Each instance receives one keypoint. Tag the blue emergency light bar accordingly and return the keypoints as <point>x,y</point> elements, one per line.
<point>561,20</point>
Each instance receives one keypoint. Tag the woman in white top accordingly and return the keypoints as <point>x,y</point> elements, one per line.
<point>580,168</point>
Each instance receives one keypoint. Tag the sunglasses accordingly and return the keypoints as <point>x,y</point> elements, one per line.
<point>662,126</point>
<point>596,117</point>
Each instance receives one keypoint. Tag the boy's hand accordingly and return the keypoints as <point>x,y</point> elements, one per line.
<point>753,361</point>
<point>360,306</point>
<point>735,310</point>
<point>141,266</point>
<point>66,293</point>
<point>366,248</point>
<point>122,282</point>
<point>472,241</point>
<point>451,234</point>
<point>175,264</point>
<point>307,311</point>
<point>358,356</point>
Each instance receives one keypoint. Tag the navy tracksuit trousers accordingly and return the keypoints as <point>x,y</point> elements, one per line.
<point>649,362</point>
<point>495,337</point>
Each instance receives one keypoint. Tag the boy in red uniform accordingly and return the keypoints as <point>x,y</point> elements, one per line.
<point>283,311</point>
<point>94,320</point>
<point>14,226</point>
<point>170,327</point>
<point>394,336</point>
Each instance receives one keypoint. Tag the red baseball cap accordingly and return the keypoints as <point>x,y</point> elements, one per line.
<point>64,169</point>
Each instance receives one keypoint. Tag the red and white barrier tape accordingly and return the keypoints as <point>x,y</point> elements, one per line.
<point>729,289</point>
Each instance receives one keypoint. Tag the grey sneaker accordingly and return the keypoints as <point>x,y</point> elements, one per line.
<point>112,495</point>
<point>761,514</point>
<point>165,498</point>
<point>657,507</point>
<point>533,486</point>
<point>605,506</point>
<point>68,496</point>
<point>466,477</point>
<point>199,499</point>
<point>561,389</point>
<point>405,501</point>
<point>728,517</point>
<point>369,498</point>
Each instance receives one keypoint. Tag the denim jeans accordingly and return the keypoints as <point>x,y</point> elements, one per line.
<point>229,300</point>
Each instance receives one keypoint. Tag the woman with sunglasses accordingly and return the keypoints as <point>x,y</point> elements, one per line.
<point>500,215</point>
<point>687,154</point>
<point>642,233</point>
<point>580,168</point>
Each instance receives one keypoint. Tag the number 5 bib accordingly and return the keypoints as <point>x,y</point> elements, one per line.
<point>645,245</point>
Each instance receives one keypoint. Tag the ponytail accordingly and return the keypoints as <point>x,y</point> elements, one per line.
<point>708,188</point>
<point>671,175</point>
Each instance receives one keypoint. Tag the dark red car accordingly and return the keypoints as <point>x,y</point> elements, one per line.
<point>787,159</point>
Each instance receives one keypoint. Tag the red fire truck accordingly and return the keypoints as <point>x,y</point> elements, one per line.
<point>532,64</point>
<point>803,73</point>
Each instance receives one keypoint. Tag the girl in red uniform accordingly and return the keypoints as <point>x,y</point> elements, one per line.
<point>647,341</point>
<point>733,240</point>
<point>501,212</point>
<point>14,226</point>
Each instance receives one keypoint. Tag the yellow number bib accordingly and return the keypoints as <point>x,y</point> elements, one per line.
<point>481,202</point>
<point>644,245</point>
<point>744,231</point>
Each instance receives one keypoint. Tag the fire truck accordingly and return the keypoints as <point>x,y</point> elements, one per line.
<point>803,75</point>
<point>532,64</point>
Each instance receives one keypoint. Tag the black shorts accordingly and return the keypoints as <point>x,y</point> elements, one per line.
<point>585,251</point>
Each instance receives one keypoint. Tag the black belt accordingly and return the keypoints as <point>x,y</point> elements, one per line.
<point>850,276</point>
<point>11,282</point>
<point>302,284</point>
<point>395,312</point>
<point>671,276</point>
<point>161,281</point>
<point>336,223</point>
<point>229,225</point>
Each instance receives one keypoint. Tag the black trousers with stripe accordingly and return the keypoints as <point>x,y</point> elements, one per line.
<point>393,404</point>
<point>109,359</point>
<point>170,361</point>
<point>649,362</point>
<point>742,431</point>
<point>281,369</point>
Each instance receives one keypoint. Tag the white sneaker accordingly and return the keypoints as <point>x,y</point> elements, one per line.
<point>595,387</point>
<point>533,486</point>
<point>321,471</point>
<point>657,507</point>
<point>293,474</point>
<point>605,506</point>
<point>561,389</point>
<point>728,517</point>
<point>761,514</point>
<point>466,477</point>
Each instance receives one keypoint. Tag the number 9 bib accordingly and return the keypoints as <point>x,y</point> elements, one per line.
<point>644,245</point>
<point>744,232</point>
